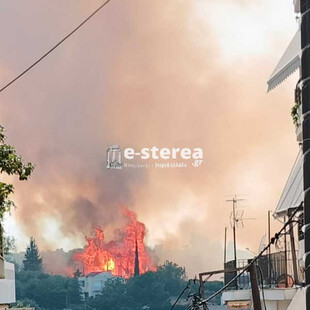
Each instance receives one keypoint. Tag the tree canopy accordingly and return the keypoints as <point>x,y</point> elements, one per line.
<point>152,290</point>
<point>11,164</point>
<point>47,291</point>
<point>149,291</point>
<point>32,261</point>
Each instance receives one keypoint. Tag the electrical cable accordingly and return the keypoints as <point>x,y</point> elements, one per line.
<point>276,237</point>
<point>180,295</point>
<point>55,46</point>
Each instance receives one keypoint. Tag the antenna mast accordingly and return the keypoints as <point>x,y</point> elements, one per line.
<point>234,223</point>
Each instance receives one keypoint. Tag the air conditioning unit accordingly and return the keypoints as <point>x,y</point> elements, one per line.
<point>2,272</point>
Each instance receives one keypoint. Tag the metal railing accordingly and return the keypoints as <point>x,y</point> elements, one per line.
<point>274,270</point>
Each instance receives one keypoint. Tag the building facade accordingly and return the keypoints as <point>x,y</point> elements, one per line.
<point>93,283</point>
<point>7,284</point>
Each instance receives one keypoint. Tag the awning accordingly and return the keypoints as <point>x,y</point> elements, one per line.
<point>292,194</point>
<point>289,62</point>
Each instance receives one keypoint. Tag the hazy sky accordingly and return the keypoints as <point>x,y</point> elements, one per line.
<point>141,73</point>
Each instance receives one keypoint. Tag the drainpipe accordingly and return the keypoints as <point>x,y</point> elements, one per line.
<point>305,85</point>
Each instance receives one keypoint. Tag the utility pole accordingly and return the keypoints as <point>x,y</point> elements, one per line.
<point>305,93</point>
<point>234,222</point>
<point>269,249</point>
<point>254,288</point>
<point>225,247</point>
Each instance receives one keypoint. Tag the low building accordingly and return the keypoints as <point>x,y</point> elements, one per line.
<point>93,283</point>
<point>7,284</point>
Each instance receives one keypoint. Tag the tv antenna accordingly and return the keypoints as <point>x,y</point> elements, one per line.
<point>240,219</point>
<point>235,219</point>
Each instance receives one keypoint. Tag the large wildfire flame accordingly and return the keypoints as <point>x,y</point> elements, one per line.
<point>122,258</point>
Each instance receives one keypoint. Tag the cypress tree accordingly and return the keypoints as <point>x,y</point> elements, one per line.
<point>32,261</point>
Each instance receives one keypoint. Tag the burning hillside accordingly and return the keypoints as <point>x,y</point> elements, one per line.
<point>123,257</point>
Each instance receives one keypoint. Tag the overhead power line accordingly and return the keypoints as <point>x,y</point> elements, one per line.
<point>55,46</point>
<point>179,297</point>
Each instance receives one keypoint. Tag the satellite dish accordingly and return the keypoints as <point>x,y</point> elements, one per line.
<point>284,280</point>
<point>262,243</point>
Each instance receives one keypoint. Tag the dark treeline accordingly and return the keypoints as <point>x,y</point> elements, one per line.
<point>150,291</point>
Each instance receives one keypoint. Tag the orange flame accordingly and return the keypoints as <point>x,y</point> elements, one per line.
<point>117,257</point>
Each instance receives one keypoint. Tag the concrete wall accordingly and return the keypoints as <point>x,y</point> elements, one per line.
<point>276,298</point>
<point>7,285</point>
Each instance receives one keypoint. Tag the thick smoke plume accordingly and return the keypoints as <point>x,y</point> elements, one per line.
<point>145,73</point>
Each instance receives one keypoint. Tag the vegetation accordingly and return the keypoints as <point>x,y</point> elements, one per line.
<point>152,290</point>
<point>46,291</point>
<point>9,245</point>
<point>11,164</point>
<point>295,114</point>
<point>43,291</point>
<point>295,109</point>
<point>32,261</point>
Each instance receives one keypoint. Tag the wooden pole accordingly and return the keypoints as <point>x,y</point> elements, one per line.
<point>202,291</point>
<point>254,288</point>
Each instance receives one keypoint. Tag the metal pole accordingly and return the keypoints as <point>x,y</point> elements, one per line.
<point>235,241</point>
<point>293,249</point>
<point>234,232</point>
<point>234,218</point>
<point>285,254</point>
<point>305,92</point>
<point>254,288</point>
<point>269,249</point>
<point>225,247</point>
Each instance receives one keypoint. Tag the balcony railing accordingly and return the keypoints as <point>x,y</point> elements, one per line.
<point>275,270</point>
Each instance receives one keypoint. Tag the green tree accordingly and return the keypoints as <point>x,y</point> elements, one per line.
<point>148,290</point>
<point>48,292</point>
<point>172,276</point>
<point>11,164</point>
<point>9,245</point>
<point>77,273</point>
<point>137,292</point>
<point>32,261</point>
<point>27,303</point>
<point>112,297</point>
<point>74,290</point>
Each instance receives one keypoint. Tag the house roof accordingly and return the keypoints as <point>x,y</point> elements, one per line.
<point>292,194</point>
<point>92,274</point>
<point>289,62</point>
